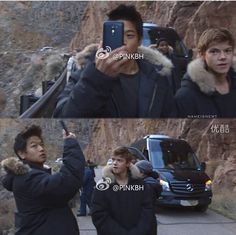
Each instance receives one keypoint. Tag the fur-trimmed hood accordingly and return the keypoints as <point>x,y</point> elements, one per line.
<point>201,77</point>
<point>15,166</point>
<point>107,172</point>
<point>154,57</point>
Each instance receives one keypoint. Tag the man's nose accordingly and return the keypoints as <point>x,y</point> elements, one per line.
<point>222,54</point>
<point>41,148</point>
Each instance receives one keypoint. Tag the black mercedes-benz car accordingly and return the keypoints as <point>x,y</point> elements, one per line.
<point>182,177</point>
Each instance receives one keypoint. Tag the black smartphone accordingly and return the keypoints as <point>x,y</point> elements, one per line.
<point>64,127</point>
<point>113,34</point>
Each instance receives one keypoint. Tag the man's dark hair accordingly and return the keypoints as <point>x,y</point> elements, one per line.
<point>23,136</point>
<point>128,12</point>
<point>162,40</point>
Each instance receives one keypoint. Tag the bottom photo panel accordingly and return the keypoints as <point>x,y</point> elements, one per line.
<point>118,177</point>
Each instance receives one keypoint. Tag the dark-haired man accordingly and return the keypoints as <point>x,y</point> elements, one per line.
<point>126,87</point>
<point>124,205</point>
<point>164,47</point>
<point>41,198</point>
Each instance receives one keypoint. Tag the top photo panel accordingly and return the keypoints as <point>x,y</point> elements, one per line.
<point>117,59</point>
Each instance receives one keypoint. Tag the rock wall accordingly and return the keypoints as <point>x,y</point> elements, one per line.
<point>30,25</point>
<point>189,18</point>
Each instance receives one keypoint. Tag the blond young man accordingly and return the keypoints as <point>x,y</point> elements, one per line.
<point>208,90</point>
<point>124,207</point>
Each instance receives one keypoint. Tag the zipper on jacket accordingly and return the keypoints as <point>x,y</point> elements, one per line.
<point>153,98</point>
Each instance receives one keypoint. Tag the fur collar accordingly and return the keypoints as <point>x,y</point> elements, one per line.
<point>15,166</point>
<point>18,167</point>
<point>204,79</point>
<point>153,56</point>
<point>107,172</point>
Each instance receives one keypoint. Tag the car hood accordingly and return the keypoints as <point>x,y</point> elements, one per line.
<point>193,176</point>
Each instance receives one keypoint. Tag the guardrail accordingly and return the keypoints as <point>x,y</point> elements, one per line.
<point>44,107</point>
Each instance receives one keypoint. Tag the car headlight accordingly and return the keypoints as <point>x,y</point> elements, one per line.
<point>208,185</point>
<point>165,185</point>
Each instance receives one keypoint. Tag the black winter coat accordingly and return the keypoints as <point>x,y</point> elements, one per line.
<point>155,189</point>
<point>95,95</point>
<point>41,198</point>
<point>197,97</point>
<point>88,181</point>
<point>122,212</point>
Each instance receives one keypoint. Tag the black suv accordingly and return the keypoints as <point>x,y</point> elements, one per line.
<point>182,177</point>
<point>153,32</point>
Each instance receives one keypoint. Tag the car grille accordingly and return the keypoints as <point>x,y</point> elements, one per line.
<point>187,187</point>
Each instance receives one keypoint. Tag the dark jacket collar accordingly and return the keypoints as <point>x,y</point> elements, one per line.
<point>34,166</point>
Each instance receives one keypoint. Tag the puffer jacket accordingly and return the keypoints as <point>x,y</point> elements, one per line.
<point>97,95</point>
<point>198,98</point>
<point>122,212</point>
<point>41,198</point>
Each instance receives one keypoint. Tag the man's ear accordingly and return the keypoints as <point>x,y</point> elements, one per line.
<point>21,154</point>
<point>128,164</point>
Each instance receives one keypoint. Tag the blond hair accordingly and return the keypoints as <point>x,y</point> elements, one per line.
<point>123,152</point>
<point>217,35</point>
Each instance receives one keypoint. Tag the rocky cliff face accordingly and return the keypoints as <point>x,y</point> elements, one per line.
<point>32,25</point>
<point>26,27</point>
<point>189,18</point>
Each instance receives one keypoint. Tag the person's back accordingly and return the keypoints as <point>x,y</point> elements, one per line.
<point>151,179</point>
<point>41,198</point>
<point>87,190</point>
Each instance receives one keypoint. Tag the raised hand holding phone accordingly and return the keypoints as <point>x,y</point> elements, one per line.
<point>109,56</point>
<point>66,133</point>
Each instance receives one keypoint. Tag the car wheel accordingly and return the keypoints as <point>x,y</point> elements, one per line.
<point>201,208</point>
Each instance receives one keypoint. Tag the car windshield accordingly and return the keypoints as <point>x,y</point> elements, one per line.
<point>146,38</point>
<point>169,154</point>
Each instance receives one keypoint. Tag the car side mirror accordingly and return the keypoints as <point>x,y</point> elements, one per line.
<point>203,166</point>
<point>190,53</point>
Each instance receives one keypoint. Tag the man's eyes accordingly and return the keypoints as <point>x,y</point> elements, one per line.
<point>36,145</point>
<point>229,50</point>
<point>217,51</point>
<point>130,35</point>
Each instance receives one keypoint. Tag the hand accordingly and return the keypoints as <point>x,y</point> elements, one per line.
<point>153,46</point>
<point>71,135</point>
<point>112,66</point>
